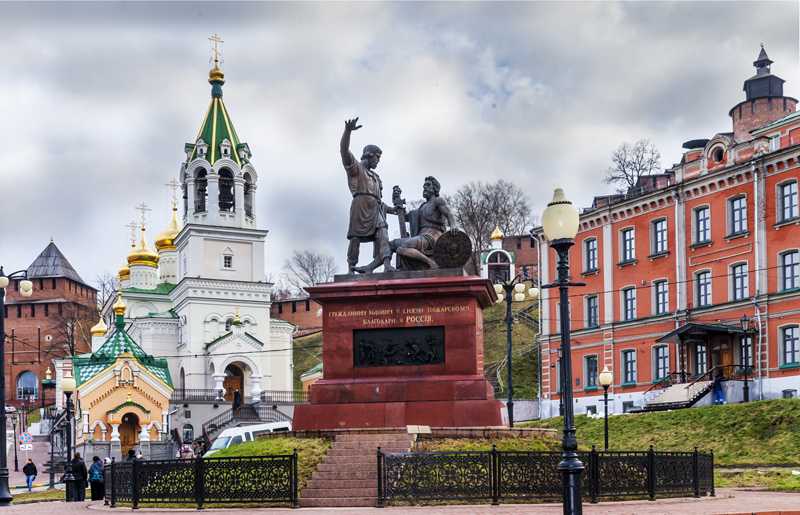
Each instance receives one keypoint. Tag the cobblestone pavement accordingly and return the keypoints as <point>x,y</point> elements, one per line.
<point>726,502</point>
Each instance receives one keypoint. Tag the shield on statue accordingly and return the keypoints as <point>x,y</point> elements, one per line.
<point>452,249</point>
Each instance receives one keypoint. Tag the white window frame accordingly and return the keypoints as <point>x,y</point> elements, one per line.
<point>696,224</point>
<point>697,292</point>
<point>774,142</point>
<point>624,305</point>
<point>782,270</point>
<point>782,330</point>
<point>779,201</point>
<point>656,283</point>
<point>588,318</point>
<point>732,230</point>
<point>623,247</point>
<point>654,240</point>
<point>623,354</point>
<point>656,376</point>
<point>587,255</point>
<point>746,285</point>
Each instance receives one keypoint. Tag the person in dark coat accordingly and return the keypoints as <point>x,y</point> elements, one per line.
<point>237,400</point>
<point>81,477</point>
<point>96,479</point>
<point>30,473</point>
<point>131,455</point>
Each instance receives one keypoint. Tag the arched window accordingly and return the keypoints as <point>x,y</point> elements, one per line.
<point>183,380</point>
<point>226,199</point>
<point>248,195</point>
<point>200,188</point>
<point>228,324</point>
<point>27,385</point>
<point>499,267</point>
<point>185,194</point>
<point>188,433</point>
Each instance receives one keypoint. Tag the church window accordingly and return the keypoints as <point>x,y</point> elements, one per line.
<point>225,148</point>
<point>188,433</point>
<point>201,187</point>
<point>228,324</point>
<point>202,148</point>
<point>248,195</point>
<point>226,200</point>
<point>27,385</point>
<point>227,261</point>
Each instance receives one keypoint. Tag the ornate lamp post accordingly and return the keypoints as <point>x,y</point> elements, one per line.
<point>68,385</point>
<point>26,290</point>
<point>514,292</point>
<point>560,223</point>
<point>606,378</point>
<point>748,333</point>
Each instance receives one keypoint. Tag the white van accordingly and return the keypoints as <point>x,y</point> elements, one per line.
<point>237,435</point>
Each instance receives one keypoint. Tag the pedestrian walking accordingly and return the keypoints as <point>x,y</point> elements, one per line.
<point>96,479</point>
<point>237,401</point>
<point>81,477</point>
<point>30,473</point>
<point>131,455</point>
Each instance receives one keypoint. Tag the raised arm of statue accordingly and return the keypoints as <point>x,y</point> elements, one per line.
<point>348,159</point>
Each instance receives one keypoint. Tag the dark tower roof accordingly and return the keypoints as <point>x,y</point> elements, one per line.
<point>52,263</point>
<point>763,83</point>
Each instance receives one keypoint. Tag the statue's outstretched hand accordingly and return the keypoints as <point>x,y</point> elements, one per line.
<point>352,125</point>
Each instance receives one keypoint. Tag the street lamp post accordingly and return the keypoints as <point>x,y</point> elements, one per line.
<point>560,224</point>
<point>68,385</point>
<point>748,332</point>
<point>512,291</point>
<point>26,290</point>
<point>606,378</point>
<point>14,420</point>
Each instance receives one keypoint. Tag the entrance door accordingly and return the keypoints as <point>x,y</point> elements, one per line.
<point>128,432</point>
<point>234,380</point>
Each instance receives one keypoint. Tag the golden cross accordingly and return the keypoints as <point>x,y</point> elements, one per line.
<point>173,185</point>
<point>133,226</point>
<point>216,51</point>
<point>143,209</point>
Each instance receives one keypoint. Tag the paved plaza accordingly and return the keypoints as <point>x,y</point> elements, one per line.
<point>728,501</point>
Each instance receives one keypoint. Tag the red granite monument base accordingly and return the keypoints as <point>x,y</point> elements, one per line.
<point>400,352</point>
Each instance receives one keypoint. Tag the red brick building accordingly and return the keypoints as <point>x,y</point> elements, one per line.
<point>673,266</point>
<point>38,327</point>
<point>303,313</point>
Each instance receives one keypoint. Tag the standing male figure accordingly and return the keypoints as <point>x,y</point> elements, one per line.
<point>367,210</point>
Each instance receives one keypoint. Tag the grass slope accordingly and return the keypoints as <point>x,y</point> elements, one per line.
<point>762,433</point>
<point>535,443</point>
<point>310,452</point>
<point>308,352</point>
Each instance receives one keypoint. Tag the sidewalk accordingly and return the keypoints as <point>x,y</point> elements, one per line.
<point>727,502</point>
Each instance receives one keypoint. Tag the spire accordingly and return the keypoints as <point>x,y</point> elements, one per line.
<point>763,62</point>
<point>215,77</point>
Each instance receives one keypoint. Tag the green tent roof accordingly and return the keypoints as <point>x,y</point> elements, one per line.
<point>216,128</point>
<point>88,366</point>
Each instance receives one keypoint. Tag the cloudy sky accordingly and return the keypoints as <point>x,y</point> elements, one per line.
<point>98,100</point>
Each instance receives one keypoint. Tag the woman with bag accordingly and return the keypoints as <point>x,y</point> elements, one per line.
<point>96,479</point>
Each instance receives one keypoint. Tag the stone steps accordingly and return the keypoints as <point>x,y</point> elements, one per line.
<point>348,476</point>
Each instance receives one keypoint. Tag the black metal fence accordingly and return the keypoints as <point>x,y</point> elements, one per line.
<point>513,475</point>
<point>258,479</point>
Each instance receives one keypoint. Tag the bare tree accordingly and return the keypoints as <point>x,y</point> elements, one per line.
<point>280,287</point>
<point>72,326</point>
<point>479,207</point>
<point>629,162</point>
<point>107,285</point>
<point>307,268</point>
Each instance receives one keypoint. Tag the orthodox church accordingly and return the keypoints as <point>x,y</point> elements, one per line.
<point>200,298</point>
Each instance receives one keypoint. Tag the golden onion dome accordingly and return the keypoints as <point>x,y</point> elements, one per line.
<point>142,255</point>
<point>119,306</point>
<point>497,234</point>
<point>165,241</point>
<point>99,329</point>
<point>124,272</point>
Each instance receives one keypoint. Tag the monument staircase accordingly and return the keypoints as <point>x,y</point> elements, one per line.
<point>348,475</point>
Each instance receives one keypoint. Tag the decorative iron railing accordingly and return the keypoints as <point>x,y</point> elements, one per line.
<point>197,395</point>
<point>257,479</point>
<point>511,475</point>
<point>284,396</point>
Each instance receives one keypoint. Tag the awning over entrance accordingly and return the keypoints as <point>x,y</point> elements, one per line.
<point>697,330</point>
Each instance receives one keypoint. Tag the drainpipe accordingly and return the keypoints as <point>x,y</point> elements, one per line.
<point>758,366</point>
<point>539,310</point>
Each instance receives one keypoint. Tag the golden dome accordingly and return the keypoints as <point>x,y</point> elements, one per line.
<point>215,74</point>
<point>497,234</point>
<point>99,329</point>
<point>124,272</point>
<point>165,240</point>
<point>119,306</point>
<point>141,255</point>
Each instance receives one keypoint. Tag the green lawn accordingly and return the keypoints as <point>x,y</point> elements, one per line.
<point>310,452</point>
<point>762,433</point>
<point>308,352</point>
<point>778,480</point>
<point>534,443</point>
<point>47,495</point>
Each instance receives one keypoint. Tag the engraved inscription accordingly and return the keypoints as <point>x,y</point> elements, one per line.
<point>398,346</point>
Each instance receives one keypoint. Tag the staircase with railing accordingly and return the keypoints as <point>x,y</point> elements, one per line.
<point>248,414</point>
<point>673,392</point>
